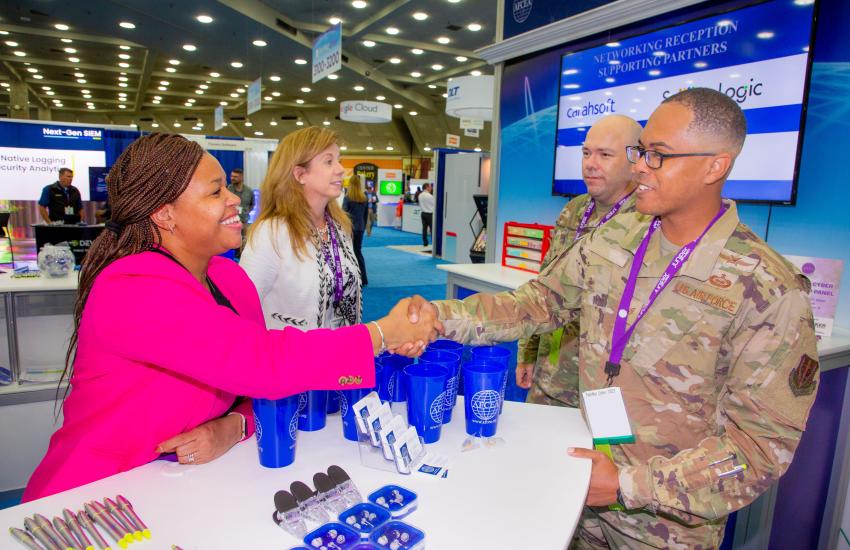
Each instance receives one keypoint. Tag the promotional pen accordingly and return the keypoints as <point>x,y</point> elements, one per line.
<point>126,535</point>
<point>94,513</point>
<point>122,521</point>
<point>64,532</point>
<point>75,527</point>
<point>40,535</point>
<point>85,520</point>
<point>124,504</point>
<point>24,538</point>
<point>47,527</point>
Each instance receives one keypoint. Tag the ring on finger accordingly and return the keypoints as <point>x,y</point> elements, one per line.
<point>190,457</point>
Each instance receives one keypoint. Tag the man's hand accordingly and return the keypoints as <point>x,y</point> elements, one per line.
<point>205,443</point>
<point>524,374</point>
<point>604,479</point>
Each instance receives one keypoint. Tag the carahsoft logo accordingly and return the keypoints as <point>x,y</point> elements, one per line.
<point>521,10</point>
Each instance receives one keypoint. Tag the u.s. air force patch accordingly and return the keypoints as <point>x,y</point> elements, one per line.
<point>802,377</point>
<point>703,295</point>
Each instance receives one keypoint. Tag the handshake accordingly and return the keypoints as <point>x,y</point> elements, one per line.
<point>410,325</point>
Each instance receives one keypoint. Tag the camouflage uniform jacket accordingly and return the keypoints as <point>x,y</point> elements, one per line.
<point>720,372</point>
<point>556,374</point>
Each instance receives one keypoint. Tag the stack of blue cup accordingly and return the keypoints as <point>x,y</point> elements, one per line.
<point>312,410</point>
<point>498,354</point>
<point>347,399</point>
<point>451,361</point>
<point>426,398</point>
<point>276,423</point>
<point>483,398</point>
<point>393,376</point>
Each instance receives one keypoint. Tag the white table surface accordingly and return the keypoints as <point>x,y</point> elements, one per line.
<point>526,493</point>
<point>495,274</point>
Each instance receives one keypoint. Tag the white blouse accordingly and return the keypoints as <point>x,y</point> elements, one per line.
<point>300,293</point>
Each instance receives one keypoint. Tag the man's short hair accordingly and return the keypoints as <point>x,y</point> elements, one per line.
<point>236,171</point>
<point>63,170</point>
<point>715,114</point>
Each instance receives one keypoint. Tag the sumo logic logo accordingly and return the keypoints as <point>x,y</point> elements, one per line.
<point>521,10</point>
<point>740,93</point>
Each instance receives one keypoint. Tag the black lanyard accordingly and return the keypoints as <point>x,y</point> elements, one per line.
<point>217,294</point>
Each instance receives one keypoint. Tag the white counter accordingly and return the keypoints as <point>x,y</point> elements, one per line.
<point>483,277</point>
<point>526,493</point>
<point>38,284</point>
<point>411,219</point>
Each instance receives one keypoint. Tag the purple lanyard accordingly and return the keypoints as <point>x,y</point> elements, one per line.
<point>591,206</point>
<point>621,334</point>
<point>335,263</point>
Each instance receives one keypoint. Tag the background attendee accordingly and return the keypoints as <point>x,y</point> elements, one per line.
<point>60,201</point>
<point>357,207</point>
<point>151,370</point>
<point>718,369</point>
<point>426,207</point>
<point>548,363</point>
<point>299,252</point>
<point>372,199</point>
<point>246,198</point>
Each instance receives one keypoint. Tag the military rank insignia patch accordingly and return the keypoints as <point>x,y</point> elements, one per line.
<point>802,377</point>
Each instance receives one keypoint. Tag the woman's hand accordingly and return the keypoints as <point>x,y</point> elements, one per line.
<point>406,336</point>
<point>205,443</point>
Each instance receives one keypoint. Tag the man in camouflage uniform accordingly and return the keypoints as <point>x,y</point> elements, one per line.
<point>548,363</point>
<point>717,378</point>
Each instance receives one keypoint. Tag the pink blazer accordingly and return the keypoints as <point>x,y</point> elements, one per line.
<point>157,357</point>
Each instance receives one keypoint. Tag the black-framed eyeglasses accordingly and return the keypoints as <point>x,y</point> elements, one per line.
<point>654,159</point>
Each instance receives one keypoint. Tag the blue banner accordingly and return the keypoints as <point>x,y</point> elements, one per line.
<point>50,136</point>
<point>524,15</point>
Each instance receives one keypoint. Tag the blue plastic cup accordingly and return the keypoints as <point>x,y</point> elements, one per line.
<point>451,361</point>
<point>483,382</point>
<point>396,382</point>
<point>426,399</point>
<point>333,402</point>
<point>382,379</point>
<point>347,399</point>
<point>312,410</point>
<point>495,353</point>
<point>276,423</point>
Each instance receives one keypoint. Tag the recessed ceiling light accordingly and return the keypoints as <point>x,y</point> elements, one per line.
<point>413,113</point>
<point>275,94</point>
<point>86,96</point>
<point>333,76</point>
<point>199,92</point>
<point>120,78</point>
<point>61,27</point>
<point>203,86</point>
<point>122,84</point>
<point>274,78</point>
<point>416,51</point>
<point>32,70</point>
<point>453,1</point>
<point>223,103</point>
<point>420,16</point>
<point>359,4</point>
<point>461,59</point>
<point>392,31</point>
<point>4,33</point>
<point>46,88</point>
<point>165,82</point>
<point>39,77</point>
<point>170,70</point>
<point>84,91</point>
<point>475,73</point>
<point>126,25</point>
<point>415,74</point>
<point>334,20</point>
<point>331,98</point>
<point>203,18</point>
<point>260,43</point>
<point>380,98</point>
<point>50,92</point>
<point>445,95</point>
<point>123,47</point>
<point>343,147</point>
<point>258,133</point>
<point>432,86</point>
<point>397,106</point>
<point>359,88</point>
<point>369,43</point>
<point>234,94</point>
<point>236,64</point>
<point>67,50</point>
<point>477,149</point>
<point>123,65</point>
<point>177,125</point>
<point>426,148</point>
<point>300,61</point>
<point>122,106</point>
<point>154,125</point>
<point>189,47</point>
<point>326,122</point>
<point>443,39</point>
<point>82,75</point>
<point>66,40</point>
<point>161,88</point>
<point>156,101</point>
<point>390,148</point>
<point>306,90</point>
<point>395,60</point>
<point>249,123</point>
<point>92,107</point>
<point>74,59</point>
<point>240,90</point>
<point>265,98</point>
<point>369,147</point>
<point>474,27</point>
<point>123,56</point>
<point>19,53</point>
<point>82,80</point>
<point>299,101</point>
<point>215,75</point>
<point>437,67</point>
<point>174,61</point>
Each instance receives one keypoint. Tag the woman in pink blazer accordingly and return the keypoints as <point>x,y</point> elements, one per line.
<point>167,334</point>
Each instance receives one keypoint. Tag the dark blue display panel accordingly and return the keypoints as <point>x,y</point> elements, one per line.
<point>757,55</point>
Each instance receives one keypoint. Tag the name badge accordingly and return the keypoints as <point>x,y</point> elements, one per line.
<point>69,210</point>
<point>607,419</point>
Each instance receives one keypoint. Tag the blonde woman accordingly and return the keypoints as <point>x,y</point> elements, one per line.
<point>358,210</point>
<point>299,252</point>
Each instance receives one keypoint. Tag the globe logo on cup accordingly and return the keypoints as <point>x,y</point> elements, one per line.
<point>302,401</point>
<point>343,404</point>
<point>485,405</point>
<point>258,428</point>
<point>437,408</point>
<point>293,427</point>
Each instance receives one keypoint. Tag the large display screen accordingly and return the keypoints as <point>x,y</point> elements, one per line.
<point>757,55</point>
<point>32,154</point>
<point>390,188</point>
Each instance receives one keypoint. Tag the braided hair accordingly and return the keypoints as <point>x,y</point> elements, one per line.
<point>152,172</point>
